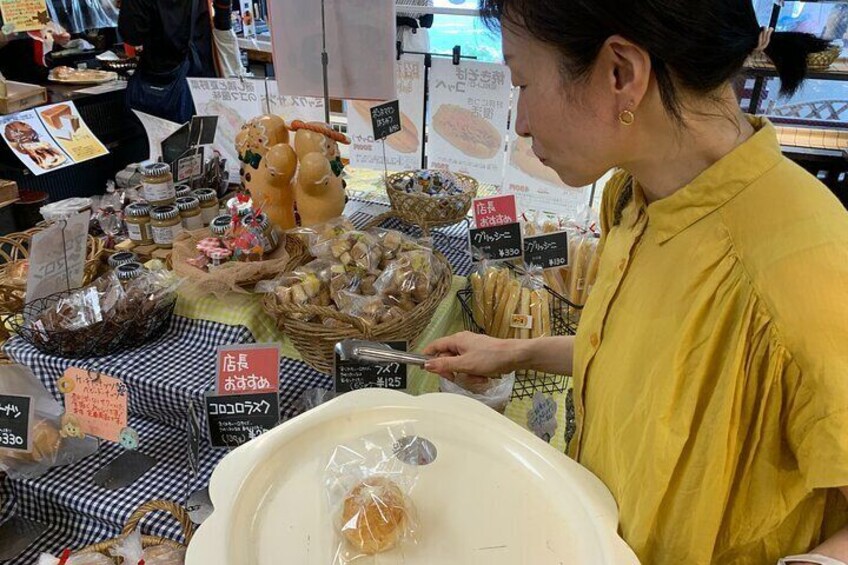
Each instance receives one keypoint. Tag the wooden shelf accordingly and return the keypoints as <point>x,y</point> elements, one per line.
<point>828,142</point>
<point>837,71</point>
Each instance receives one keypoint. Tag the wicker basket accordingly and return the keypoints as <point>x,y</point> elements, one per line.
<point>175,510</point>
<point>315,342</point>
<point>15,247</point>
<point>815,61</point>
<point>427,211</point>
<point>824,59</point>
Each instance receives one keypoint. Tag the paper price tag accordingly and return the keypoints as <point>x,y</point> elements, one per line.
<point>236,419</point>
<point>95,403</point>
<point>547,251</point>
<point>16,417</point>
<point>350,375</point>
<point>248,369</point>
<point>499,243</point>
<point>385,119</point>
<point>190,167</point>
<point>494,211</point>
<point>521,322</point>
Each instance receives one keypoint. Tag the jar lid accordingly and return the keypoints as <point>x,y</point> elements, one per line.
<point>243,208</point>
<point>155,170</point>
<point>221,224</point>
<point>129,271</point>
<point>137,210</point>
<point>122,258</point>
<point>261,219</point>
<point>182,190</point>
<point>187,203</point>
<point>205,194</point>
<point>165,213</point>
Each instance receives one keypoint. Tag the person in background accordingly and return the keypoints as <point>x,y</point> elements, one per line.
<point>413,28</point>
<point>710,365</point>
<point>19,58</point>
<point>176,41</point>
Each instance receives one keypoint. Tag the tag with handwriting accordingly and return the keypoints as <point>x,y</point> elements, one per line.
<point>95,404</point>
<point>351,375</point>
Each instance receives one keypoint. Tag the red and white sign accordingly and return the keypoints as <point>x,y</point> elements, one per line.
<point>495,211</point>
<point>248,369</point>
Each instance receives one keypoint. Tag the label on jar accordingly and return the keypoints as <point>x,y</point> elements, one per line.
<point>138,232</point>
<point>193,222</point>
<point>208,213</point>
<point>166,235</point>
<point>159,191</point>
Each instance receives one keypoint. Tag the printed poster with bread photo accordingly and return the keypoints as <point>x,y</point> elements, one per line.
<point>28,139</point>
<point>535,185</point>
<point>469,111</point>
<point>70,132</point>
<point>403,149</point>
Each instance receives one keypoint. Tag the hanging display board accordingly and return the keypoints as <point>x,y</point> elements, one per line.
<point>536,186</point>
<point>305,108</point>
<point>468,118</point>
<point>403,149</point>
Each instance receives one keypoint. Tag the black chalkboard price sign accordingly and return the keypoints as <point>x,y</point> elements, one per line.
<point>236,419</point>
<point>15,422</point>
<point>351,375</point>
<point>385,119</point>
<point>497,243</point>
<point>547,251</point>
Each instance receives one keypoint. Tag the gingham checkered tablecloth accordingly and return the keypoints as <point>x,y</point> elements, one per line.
<point>80,513</point>
<point>164,376</point>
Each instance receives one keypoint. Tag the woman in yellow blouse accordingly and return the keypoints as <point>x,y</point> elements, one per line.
<point>711,364</point>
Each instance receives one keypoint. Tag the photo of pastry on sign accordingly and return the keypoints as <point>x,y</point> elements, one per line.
<point>69,130</point>
<point>521,156</point>
<point>474,135</point>
<point>26,136</point>
<point>404,141</point>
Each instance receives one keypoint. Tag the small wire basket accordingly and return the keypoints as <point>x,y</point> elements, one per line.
<point>97,340</point>
<point>564,316</point>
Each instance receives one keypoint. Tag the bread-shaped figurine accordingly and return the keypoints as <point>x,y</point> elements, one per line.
<point>268,166</point>
<point>319,189</point>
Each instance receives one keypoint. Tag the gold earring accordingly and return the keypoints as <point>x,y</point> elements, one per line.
<point>626,117</point>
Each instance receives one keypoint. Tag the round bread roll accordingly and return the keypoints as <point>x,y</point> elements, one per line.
<point>45,444</point>
<point>373,515</point>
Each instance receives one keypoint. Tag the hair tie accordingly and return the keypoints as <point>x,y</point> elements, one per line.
<point>764,40</point>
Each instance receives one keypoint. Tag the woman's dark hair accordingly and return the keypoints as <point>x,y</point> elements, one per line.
<point>696,45</point>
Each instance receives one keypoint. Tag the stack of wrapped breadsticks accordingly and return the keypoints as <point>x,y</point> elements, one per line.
<point>506,306</point>
<point>575,280</point>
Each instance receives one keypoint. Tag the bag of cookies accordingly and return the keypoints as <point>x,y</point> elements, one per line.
<point>369,483</point>
<point>49,448</point>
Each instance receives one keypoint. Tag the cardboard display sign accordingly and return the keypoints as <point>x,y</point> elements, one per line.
<point>498,243</point>
<point>248,369</point>
<point>95,404</point>
<point>495,211</point>
<point>57,258</point>
<point>547,251</point>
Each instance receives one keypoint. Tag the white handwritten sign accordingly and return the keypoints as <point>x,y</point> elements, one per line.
<point>57,258</point>
<point>468,118</point>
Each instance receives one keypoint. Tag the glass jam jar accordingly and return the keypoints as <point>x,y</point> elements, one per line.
<point>182,190</point>
<point>157,184</point>
<point>122,258</point>
<point>189,207</point>
<point>270,239</point>
<point>208,204</point>
<point>138,223</point>
<point>221,225</point>
<point>129,271</point>
<point>166,224</point>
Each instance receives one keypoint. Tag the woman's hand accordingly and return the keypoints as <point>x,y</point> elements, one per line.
<point>473,354</point>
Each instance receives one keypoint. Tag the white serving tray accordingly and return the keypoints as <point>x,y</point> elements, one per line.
<point>495,495</point>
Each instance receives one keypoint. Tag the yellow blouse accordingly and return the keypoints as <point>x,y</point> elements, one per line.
<point>711,365</point>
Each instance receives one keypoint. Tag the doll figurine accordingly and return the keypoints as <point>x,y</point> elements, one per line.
<point>268,165</point>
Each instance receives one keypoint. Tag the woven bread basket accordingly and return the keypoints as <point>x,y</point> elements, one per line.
<point>15,248</point>
<point>175,510</point>
<point>316,342</point>
<point>424,210</point>
<point>815,61</point>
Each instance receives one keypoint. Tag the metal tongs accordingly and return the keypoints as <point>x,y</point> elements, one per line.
<point>363,351</point>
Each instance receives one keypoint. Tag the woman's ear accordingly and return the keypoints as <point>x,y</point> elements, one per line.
<point>627,68</point>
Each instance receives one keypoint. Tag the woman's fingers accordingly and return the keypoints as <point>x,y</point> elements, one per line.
<point>443,345</point>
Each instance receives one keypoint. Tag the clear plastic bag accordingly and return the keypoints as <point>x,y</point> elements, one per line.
<point>49,449</point>
<point>130,551</point>
<point>318,234</point>
<point>80,559</point>
<point>494,393</point>
<point>413,275</point>
<point>369,490</point>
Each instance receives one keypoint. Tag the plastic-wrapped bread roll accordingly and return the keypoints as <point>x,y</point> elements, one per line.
<point>478,310</point>
<point>524,311</point>
<point>510,296</point>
